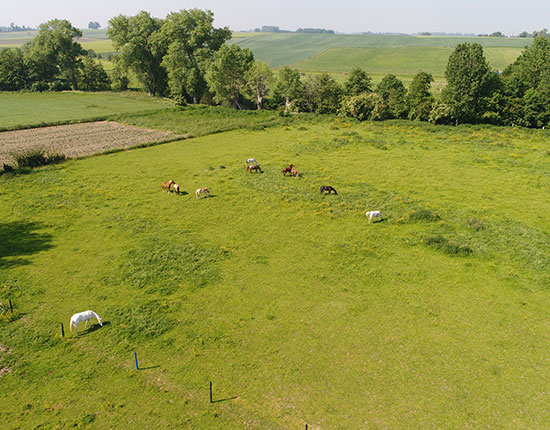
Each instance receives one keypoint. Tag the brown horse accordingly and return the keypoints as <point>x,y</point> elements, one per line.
<point>294,172</point>
<point>166,185</point>
<point>254,168</point>
<point>287,170</point>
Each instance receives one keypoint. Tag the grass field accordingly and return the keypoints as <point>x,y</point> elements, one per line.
<point>296,308</point>
<point>22,110</point>
<point>284,49</point>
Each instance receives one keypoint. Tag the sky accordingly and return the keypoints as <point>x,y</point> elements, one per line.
<point>346,16</point>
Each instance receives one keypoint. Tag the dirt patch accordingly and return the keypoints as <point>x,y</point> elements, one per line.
<point>77,140</point>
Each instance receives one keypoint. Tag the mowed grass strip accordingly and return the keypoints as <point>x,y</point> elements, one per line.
<point>24,110</point>
<point>297,309</point>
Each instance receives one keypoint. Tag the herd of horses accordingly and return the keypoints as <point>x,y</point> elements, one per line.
<point>253,166</point>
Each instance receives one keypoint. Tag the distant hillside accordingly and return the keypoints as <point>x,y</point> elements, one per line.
<point>290,48</point>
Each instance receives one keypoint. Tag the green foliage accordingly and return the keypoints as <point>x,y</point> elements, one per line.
<point>259,79</point>
<point>227,74</point>
<point>36,158</point>
<point>468,82</point>
<point>419,97</point>
<point>141,49</point>
<point>55,50</point>
<point>360,106</point>
<point>393,96</point>
<point>441,113</point>
<point>93,76</point>
<point>13,71</point>
<point>321,94</point>
<point>288,86</point>
<point>191,41</point>
<point>358,82</point>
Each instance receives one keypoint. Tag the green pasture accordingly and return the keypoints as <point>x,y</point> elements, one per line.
<point>28,109</point>
<point>400,61</point>
<point>297,309</point>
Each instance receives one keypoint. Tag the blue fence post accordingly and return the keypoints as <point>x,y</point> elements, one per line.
<point>135,358</point>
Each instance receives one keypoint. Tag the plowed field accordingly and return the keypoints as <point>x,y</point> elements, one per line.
<point>76,140</point>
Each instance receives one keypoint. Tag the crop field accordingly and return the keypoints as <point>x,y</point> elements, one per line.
<point>24,110</point>
<point>284,49</point>
<point>295,307</point>
<point>77,140</point>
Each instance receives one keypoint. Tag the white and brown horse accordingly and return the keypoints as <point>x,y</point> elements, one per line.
<point>204,191</point>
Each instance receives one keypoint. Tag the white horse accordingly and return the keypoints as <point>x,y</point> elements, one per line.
<point>86,316</point>
<point>200,191</point>
<point>251,161</point>
<point>176,188</point>
<point>373,214</point>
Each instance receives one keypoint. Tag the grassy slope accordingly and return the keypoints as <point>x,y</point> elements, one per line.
<point>20,110</point>
<point>283,49</point>
<point>400,61</point>
<point>284,298</point>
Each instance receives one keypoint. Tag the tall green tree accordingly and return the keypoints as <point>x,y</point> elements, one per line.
<point>259,78</point>
<point>191,41</point>
<point>419,97</point>
<point>227,74</point>
<point>54,51</point>
<point>93,76</point>
<point>13,70</point>
<point>358,82</point>
<point>141,49</point>
<point>393,98</point>
<point>469,81</point>
<point>288,85</point>
<point>321,94</point>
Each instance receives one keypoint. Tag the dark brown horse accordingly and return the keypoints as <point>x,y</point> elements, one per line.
<point>254,168</point>
<point>328,189</point>
<point>287,170</point>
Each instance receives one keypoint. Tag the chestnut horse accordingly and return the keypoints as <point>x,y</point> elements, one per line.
<point>254,168</point>
<point>327,188</point>
<point>294,172</point>
<point>166,185</point>
<point>287,170</point>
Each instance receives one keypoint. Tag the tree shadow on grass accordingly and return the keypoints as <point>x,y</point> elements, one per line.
<point>19,239</point>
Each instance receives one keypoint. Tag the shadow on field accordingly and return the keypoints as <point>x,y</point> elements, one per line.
<point>93,328</point>
<point>148,367</point>
<point>20,238</point>
<point>225,400</point>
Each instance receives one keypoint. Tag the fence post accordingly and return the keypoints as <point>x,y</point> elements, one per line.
<point>11,306</point>
<point>211,401</point>
<point>135,358</point>
<point>62,331</point>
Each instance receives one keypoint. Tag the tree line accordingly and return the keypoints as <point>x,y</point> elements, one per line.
<point>184,57</point>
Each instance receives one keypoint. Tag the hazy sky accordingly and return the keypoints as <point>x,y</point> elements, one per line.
<point>407,16</point>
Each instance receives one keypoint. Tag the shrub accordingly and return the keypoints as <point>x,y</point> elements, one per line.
<point>424,215</point>
<point>7,167</point>
<point>36,158</point>
<point>450,248</point>
<point>476,224</point>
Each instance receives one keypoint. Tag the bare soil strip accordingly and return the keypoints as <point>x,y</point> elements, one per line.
<point>77,140</point>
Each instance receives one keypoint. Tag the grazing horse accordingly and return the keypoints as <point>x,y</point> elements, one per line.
<point>294,172</point>
<point>254,168</point>
<point>86,316</point>
<point>176,188</point>
<point>327,188</point>
<point>251,161</point>
<point>204,191</point>
<point>287,169</point>
<point>166,185</point>
<point>373,214</point>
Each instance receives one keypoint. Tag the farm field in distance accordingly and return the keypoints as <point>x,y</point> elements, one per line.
<point>297,309</point>
<point>378,55</point>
